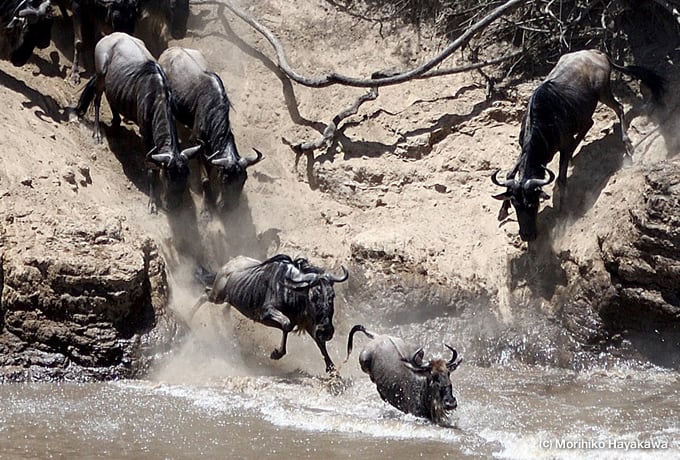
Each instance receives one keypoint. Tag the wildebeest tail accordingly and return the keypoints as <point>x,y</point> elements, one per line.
<point>86,96</point>
<point>350,339</point>
<point>204,276</point>
<point>652,80</point>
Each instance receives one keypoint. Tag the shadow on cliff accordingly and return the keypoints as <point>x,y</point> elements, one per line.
<point>44,106</point>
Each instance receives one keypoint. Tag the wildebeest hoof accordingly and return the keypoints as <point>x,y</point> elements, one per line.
<point>277,354</point>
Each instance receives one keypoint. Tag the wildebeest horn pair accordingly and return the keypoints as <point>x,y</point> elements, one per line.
<point>531,183</point>
<point>243,162</point>
<point>165,158</point>
<point>307,279</point>
<point>415,362</point>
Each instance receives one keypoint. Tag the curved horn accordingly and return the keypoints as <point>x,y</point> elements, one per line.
<point>531,183</point>
<point>224,162</point>
<point>417,358</point>
<point>160,158</point>
<point>302,279</point>
<point>190,152</point>
<point>337,279</point>
<point>417,366</point>
<point>507,183</point>
<point>452,364</point>
<point>246,162</point>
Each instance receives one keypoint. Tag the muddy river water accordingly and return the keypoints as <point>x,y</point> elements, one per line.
<point>504,412</point>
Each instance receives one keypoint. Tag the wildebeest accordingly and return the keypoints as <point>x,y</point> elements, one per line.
<point>403,380</point>
<point>137,89</point>
<point>201,103</point>
<point>108,15</point>
<point>27,24</point>
<point>558,116</point>
<point>280,292</point>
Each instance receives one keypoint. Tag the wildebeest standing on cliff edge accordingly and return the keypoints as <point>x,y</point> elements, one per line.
<point>558,116</point>
<point>280,292</point>
<point>137,89</point>
<point>403,380</point>
<point>26,24</point>
<point>201,103</point>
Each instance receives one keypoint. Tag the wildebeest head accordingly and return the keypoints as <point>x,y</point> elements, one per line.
<point>525,197</point>
<point>439,394</point>
<point>176,171</point>
<point>31,26</point>
<point>121,15</point>
<point>232,171</point>
<point>320,297</point>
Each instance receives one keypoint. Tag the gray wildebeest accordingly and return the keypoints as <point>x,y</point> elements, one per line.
<point>403,380</point>
<point>201,103</point>
<point>27,24</point>
<point>137,89</point>
<point>280,292</point>
<point>558,116</point>
<point>106,15</point>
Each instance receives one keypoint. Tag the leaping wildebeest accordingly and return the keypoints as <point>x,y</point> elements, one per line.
<point>558,116</point>
<point>402,378</point>
<point>280,292</point>
<point>201,103</point>
<point>26,24</point>
<point>136,88</point>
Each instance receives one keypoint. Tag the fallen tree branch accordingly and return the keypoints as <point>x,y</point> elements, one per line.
<point>329,133</point>
<point>335,78</point>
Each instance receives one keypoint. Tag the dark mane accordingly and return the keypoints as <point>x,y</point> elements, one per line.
<point>216,116</point>
<point>300,263</point>
<point>161,105</point>
<point>549,113</point>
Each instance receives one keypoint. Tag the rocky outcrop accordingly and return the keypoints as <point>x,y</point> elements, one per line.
<point>644,263</point>
<point>81,301</point>
<point>629,296</point>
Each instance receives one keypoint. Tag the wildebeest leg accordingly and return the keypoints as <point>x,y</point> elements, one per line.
<point>97,134</point>
<point>115,120</point>
<point>274,318</point>
<point>74,75</point>
<point>330,367</point>
<point>607,98</point>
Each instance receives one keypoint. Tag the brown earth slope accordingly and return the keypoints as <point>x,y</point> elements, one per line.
<point>403,199</point>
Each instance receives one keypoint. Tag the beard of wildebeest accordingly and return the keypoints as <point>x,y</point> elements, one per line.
<point>176,179</point>
<point>526,206</point>
<point>321,308</point>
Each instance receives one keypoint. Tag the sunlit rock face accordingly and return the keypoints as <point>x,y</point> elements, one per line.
<point>81,301</point>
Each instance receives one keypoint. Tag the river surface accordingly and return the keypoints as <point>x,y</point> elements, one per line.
<point>504,412</point>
